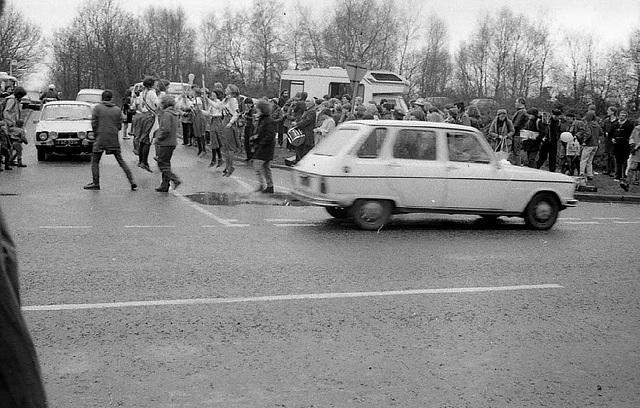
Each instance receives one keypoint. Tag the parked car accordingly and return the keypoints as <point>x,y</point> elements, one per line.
<point>31,100</point>
<point>64,127</point>
<point>92,96</point>
<point>369,170</point>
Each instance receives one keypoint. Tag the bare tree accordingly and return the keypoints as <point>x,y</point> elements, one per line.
<point>20,41</point>
<point>434,58</point>
<point>266,47</point>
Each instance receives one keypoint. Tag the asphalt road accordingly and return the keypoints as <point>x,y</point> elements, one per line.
<point>142,299</point>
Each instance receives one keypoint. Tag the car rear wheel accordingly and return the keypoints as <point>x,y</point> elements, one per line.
<point>542,211</point>
<point>371,214</point>
<point>42,155</point>
<point>338,212</point>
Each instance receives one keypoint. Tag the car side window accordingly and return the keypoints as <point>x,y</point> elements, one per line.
<point>370,149</point>
<point>415,144</point>
<point>465,147</point>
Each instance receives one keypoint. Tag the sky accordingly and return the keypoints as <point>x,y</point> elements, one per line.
<point>611,20</point>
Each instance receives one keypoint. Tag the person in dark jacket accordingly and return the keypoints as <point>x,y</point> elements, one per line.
<point>532,145</point>
<point>306,124</point>
<point>106,120</point>
<point>519,121</point>
<point>620,137</point>
<point>166,141</point>
<point>549,140</point>
<point>264,144</point>
<point>20,377</point>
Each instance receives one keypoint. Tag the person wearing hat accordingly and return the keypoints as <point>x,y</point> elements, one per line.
<point>501,132</point>
<point>50,94</point>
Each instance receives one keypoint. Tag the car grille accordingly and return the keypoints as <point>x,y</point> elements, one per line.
<point>68,135</point>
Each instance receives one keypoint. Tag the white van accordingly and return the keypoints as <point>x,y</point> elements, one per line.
<point>376,85</point>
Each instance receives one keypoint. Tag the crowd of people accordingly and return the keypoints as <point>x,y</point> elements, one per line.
<point>223,123</point>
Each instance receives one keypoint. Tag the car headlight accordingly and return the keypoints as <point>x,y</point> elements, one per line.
<point>42,136</point>
<point>82,135</point>
<point>90,135</point>
<point>53,135</point>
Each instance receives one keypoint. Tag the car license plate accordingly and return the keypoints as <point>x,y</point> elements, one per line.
<point>67,142</point>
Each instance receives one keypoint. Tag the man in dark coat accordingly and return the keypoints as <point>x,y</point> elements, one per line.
<point>306,125</point>
<point>106,120</point>
<point>264,144</point>
<point>20,377</point>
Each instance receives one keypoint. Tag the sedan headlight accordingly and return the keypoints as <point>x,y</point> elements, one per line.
<point>42,136</point>
<point>82,135</point>
<point>53,135</point>
<point>90,135</point>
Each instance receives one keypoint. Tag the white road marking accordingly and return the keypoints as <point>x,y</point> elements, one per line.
<point>283,220</point>
<point>608,218</point>
<point>65,226</point>
<point>149,226</point>
<point>569,219</point>
<point>626,222</point>
<point>583,222</point>
<point>312,296</point>
<point>296,225</point>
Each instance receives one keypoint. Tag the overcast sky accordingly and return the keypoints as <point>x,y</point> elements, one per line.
<point>611,20</point>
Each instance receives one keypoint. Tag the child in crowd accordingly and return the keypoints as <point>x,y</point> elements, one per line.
<point>17,137</point>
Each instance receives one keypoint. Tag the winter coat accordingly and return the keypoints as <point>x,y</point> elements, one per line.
<point>266,141</point>
<point>166,135</point>
<point>306,125</point>
<point>106,120</point>
<point>634,145</point>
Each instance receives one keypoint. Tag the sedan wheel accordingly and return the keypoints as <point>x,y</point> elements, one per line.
<point>542,212</point>
<point>338,212</point>
<point>371,214</point>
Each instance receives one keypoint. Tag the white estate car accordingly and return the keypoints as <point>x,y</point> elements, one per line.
<point>92,96</point>
<point>369,170</point>
<point>64,127</point>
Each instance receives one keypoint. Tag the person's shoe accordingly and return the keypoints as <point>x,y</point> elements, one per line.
<point>21,165</point>
<point>268,190</point>
<point>7,167</point>
<point>617,180</point>
<point>162,190</point>
<point>134,186</point>
<point>147,168</point>
<point>220,163</point>
<point>176,184</point>
<point>624,186</point>
<point>92,186</point>
<point>1,169</point>
<point>230,172</point>
<point>212,164</point>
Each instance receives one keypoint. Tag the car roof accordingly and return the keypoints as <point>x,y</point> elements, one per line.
<point>90,91</point>
<point>54,103</point>
<point>409,124</point>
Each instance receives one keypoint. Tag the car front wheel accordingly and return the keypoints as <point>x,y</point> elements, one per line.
<point>542,211</point>
<point>371,214</point>
<point>338,212</point>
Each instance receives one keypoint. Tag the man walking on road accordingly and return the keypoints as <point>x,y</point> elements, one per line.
<point>166,141</point>
<point>106,120</point>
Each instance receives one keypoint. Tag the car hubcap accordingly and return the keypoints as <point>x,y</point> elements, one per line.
<point>371,212</point>
<point>543,211</point>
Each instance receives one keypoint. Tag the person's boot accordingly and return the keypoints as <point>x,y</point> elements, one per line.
<point>20,164</point>
<point>268,190</point>
<point>92,186</point>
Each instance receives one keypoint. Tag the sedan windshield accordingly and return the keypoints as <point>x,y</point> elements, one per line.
<point>335,141</point>
<point>66,112</point>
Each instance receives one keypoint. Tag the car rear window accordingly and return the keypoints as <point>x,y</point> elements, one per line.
<point>465,147</point>
<point>95,98</point>
<point>66,112</point>
<point>370,149</point>
<point>335,141</point>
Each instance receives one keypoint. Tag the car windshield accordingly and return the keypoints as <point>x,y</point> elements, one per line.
<point>66,112</point>
<point>335,141</point>
<point>93,98</point>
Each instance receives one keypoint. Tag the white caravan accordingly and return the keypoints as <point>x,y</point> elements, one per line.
<point>318,82</point>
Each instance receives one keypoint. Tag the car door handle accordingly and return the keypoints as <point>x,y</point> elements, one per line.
<point>394,164</point>
<point>452,168</point>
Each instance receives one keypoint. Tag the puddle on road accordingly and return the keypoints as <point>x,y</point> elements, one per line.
<point>211,198</point>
